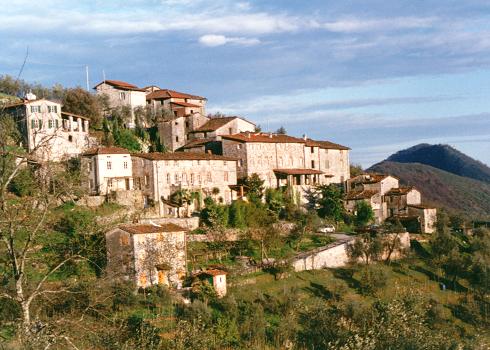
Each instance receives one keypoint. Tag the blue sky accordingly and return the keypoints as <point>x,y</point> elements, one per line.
<point>377,76</point>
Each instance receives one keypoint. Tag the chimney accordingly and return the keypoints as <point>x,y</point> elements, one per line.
<point>248,134</point>
<point>270,135</point>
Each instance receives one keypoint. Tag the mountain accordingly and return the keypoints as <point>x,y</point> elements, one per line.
<point>446,177</point>
<point>443,157</point>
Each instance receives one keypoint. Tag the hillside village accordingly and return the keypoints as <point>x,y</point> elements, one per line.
<point>206,157</point>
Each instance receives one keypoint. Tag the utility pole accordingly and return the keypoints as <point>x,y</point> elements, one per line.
<point>86,71</point>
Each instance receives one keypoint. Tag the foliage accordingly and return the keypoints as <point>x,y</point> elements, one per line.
<point>329,202</point>
<point>281,130</point>
<point>81,102</point>
<point>355,170</point>
<point>366,247</point>
<point>214,215</point>
<point>364,213</point>
<point>254,186</point>
<point>372,279</point>
<point>125,138</point>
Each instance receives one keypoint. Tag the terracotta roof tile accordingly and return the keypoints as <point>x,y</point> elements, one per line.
<point>362,194</point>
<point>422,206</point>
<point>325,144</point>
<point>182,156</point>
<point>120,85</point>
<point>185,104</point>
<point>214,272</point>
<point>263,138</point>
<point>166,93</point>
<point>197,143</point>
<point>105,150</point>
<point>399,191</point>
<point>148,228</point>
<point>298,171</point>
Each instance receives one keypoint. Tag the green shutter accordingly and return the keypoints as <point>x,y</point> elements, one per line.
<point>33,123</point>
<point>40,123</point>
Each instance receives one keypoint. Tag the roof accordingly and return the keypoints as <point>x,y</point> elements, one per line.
<point>166,93</point>
<point>197,143</point>
<point>185,104</point>
<point>214,124</point>
<point>422,206</point>
<point>26,102</point>
<point>149,228</point>
<point>297,171</point>
<point>182,156</point>
<point>371,178</point>
<point>75,115</point>
<point>325,144</point>
<point>399,191</point>
<point>362,194</point>
<point>263,138</point>
<point>105,150</point>
<point>214,272</point>
<point>120,85</point>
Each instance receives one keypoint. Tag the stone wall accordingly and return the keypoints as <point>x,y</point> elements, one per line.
<point>187,223</point>
<point>334,255</point>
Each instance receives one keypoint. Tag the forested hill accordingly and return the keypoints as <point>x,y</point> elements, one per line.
<point>443,157</point>
<point>456,193</point>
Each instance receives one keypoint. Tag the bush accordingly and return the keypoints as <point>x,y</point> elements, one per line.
<point>372,279</point>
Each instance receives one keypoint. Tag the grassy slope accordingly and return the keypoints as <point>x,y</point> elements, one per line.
<point>453,192</point>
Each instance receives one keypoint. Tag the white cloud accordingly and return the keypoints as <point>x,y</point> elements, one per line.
<point>350,25</point>
<point>213,40</point>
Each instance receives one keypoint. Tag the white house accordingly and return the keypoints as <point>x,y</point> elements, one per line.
<point>48,131</point>
<point>109,169</point>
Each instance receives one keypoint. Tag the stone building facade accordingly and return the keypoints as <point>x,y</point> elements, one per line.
<point>217,279</point>
<point>147,254</point>
<point>48,131</point>
<point>159,175</point>
<point>108,169</point>
<point>389,200</point>
<point>282,160</point>
<point>121,93</point>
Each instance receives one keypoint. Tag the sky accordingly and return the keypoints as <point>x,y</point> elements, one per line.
<point>375,75</point>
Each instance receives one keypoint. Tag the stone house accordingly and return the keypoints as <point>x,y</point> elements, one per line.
<point>181,104</point>
<point>389,200</point>
<point>427,216</point>
<point>48,131</point>
<point>283,160</point>
<point>159,175</point>
<point>121,93</point>
<point>108,169</point>
<point>147,254</point>
<point>208,136</point>
<point>217,279</point>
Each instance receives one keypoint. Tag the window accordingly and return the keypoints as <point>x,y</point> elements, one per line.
<point>192,179</point>
<point>209,178</point>
<point>312,149</point>
<point>230,131</point>
<point>187,123</point>
<point>91,184</point>
<point>176,123</point>
<point>184,177</point>
<point>313,164</point>
<point>50,124</point>
<point>176,139</point>
<point>176,177</point>
<point>122,95</point>
<point>57,123</point>
<point>192,111</point>
<point>53,109</point>
<point>33,123</point>
<point>226,176</point>
<point>125,165</point>
<point>224,163</point>
<point>239,146</point>
<point>35,109</point>
<point>175,113</point>
<point>240,162</point>
<point>199,178</point>
<point>90,166</point>
<point>109,165</point>
<point>147,180</point>
<point>198,162</point>
<point>40,123</point>
<point>70,138</point>
<point>168,178</point>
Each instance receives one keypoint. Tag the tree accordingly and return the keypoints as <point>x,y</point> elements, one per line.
<point>281,130</point>
<point>254,187</point>
<point>364,213</point>
<point>79,101</point>
<point>183,198</point>
<point>366,247</point>
<point>329,202</point>
<point>355,170</point>
<point>25,228</point>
